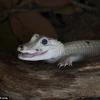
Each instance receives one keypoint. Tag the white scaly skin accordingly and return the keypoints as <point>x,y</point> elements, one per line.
<point>34,50</point>
<point>52,50</point>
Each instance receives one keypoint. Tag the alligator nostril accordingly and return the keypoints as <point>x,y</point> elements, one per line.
<point>37,49</point>
<point>21,47</point>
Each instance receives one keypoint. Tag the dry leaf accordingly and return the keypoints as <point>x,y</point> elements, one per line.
<point>25,24</point>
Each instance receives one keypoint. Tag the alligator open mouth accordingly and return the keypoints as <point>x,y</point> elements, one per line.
<point>30,55</point>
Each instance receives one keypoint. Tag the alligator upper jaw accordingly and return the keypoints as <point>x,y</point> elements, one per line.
<point>30,55</point>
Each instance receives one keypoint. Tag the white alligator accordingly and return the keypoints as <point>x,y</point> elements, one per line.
<point>52,50</point>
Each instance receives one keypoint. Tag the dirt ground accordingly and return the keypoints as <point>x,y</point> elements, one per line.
<point>21,80</point>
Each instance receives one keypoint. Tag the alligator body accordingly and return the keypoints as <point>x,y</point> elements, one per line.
<point>52,50</point>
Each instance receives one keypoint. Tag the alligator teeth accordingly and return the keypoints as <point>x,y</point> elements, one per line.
<point>25,55</point>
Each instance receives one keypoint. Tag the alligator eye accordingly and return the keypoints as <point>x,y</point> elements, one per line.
<point>44,41</point>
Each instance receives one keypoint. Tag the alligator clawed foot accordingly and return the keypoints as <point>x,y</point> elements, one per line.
<point>64,63</point>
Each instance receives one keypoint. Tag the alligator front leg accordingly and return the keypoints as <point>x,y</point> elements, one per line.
<point>68,60</point>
